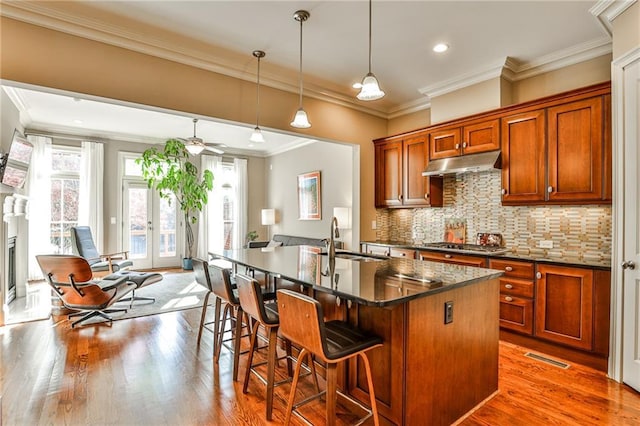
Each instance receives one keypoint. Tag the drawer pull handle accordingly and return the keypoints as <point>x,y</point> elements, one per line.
<point>464,144</point>
<point>403,254</point>
<point>508,268</point>
<point>538,275</point>
<point>508,298</point>
<point>447,256</point>
<point>508,286</point>
<point>457,146</point>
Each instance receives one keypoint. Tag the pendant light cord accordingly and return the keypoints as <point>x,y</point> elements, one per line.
<point>300,76</point>
<point>370,36</point>
<point>258,96</point>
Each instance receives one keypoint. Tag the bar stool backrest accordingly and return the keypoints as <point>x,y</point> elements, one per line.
<point>250,296</point>
<point>301,321</point>
<point>201,272</point>
<point>221,284</point>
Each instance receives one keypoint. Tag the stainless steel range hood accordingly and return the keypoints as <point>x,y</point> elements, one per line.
<point>464,163</point>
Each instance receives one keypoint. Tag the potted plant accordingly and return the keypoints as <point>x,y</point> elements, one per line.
<point>169,171</point>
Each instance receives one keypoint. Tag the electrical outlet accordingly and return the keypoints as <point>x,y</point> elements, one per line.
<point>113,220</point>
<point>448,312</point>
<point>373,224</point>
<point>546,244</point>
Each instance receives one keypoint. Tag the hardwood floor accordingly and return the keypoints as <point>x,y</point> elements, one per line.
<point>149,371</point>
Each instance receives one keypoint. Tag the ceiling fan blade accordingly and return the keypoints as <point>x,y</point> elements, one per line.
<point>214,149</point>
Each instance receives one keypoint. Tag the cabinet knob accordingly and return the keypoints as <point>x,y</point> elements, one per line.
<point>628,265</point>
<point>538,275</point>
<point>508,298</point>
<point>508,286</point>
<point>464,144</point>
<point>550,189</point>
<point>504,191</point>
<point>447,256</point>
<point>457,146</point>
<point>403,254</point>
<point>508,268</point>
<point>426,196</point>
<point>400,197</point>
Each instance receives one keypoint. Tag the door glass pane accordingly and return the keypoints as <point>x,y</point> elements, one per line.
<point>138,223</point>
<point>71,194</point>
<point>167,246</point>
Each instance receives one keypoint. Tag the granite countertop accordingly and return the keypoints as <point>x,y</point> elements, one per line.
<point>369,280</point>
<point>525,255</point>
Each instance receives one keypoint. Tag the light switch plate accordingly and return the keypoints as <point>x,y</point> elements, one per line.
<point>373,224</point>
<point>113,220</point>
<point>546,244</point>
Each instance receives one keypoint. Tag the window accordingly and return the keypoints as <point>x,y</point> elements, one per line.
<point>228,203</point>
<point>65,196</point>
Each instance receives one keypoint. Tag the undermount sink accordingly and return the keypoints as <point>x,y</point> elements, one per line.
<point>359,257</point>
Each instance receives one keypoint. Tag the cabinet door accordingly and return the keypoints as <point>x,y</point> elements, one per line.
<point>481,137</point>
<point>416,186</point>
<point>523,158</point>
<point>388,172</point>
<point>564,305</point>
<point>576,151</point>
<point>444,143</point>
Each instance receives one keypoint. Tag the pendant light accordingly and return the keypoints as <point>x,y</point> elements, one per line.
<point>301,121</point>
<point>256,136</point>
<point>370,88</point>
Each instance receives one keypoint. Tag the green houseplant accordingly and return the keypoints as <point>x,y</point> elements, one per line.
<point>169,171</point>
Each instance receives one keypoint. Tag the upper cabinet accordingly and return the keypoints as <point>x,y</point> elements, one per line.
<point>399,163</point>
<point>560,154</point>
<point>468,138</point>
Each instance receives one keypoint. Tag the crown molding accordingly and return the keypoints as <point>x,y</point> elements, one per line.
<point>22,106</point>
<point>224,63</point>
<point>606,11</point>
<point>420,104</point>
<point>463,80</point>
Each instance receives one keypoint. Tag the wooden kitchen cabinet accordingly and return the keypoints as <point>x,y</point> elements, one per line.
<point>523,157</point>
<point>559,152</point>
<point>564,311</point>
<point>516,294</point>
<point>402,252</point>
<point>470,138</point>
<point>399,163</point>
<point>375,249</point>
<point>455,258</point>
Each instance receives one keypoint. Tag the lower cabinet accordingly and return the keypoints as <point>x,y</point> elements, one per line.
<point>565,305</point>
<point>457,259</point>
<point>516,294</point>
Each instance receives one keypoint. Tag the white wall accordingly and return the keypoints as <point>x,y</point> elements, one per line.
<point>336,165</point>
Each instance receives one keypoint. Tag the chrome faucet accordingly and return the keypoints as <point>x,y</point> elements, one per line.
<point>331,248</point>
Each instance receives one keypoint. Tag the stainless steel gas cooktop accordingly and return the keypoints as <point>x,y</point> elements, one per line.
<point>466,248</point>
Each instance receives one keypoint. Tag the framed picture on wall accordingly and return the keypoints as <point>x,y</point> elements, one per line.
<point>309,202</point>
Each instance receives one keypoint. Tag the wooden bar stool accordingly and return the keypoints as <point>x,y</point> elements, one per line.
<point>301,321</point>
<point>265,314</point>
<point>223,290</point>
<point>201,274</point>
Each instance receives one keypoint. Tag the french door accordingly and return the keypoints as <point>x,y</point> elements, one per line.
<point>151,228</point>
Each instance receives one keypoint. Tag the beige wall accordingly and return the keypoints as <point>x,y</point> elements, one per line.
<point>466,101</point>
<point>84,66</point>
<point>583,74</point>
<point>626,31</point>
<point>408,122</point>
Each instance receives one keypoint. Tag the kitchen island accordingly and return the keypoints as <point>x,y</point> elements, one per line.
<point>439,324</point>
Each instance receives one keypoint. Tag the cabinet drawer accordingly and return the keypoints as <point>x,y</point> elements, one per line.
<point>404,253</point>
<point>516,287</point>
<point>516,314</point>
<point>513,268</point>
<point>458,259</point>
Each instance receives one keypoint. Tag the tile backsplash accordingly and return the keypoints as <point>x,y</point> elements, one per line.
<point>576,231</point>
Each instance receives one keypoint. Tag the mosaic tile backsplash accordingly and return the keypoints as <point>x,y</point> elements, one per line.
<point>576,231</point>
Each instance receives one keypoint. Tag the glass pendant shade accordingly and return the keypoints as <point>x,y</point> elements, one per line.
<point>194,149</point>
<point>370,89</point>
<point>300,120</point>
<point>256,136</point>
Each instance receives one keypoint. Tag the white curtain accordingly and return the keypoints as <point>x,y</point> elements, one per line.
<point>241,201</point>
<point>91,191</point>
<point>210,225</point>
<point>38,189</point>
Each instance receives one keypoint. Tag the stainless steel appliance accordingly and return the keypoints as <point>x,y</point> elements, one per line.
<point>466,248</point>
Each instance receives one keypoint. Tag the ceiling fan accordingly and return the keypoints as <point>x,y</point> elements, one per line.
<point>196,145</point>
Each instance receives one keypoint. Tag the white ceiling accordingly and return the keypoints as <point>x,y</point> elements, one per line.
<point>529,36</point>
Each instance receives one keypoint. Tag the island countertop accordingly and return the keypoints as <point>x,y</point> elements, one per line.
<point>367,280</point>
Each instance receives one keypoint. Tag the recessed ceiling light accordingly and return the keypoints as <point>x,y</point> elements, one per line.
<point>77,121</point>
<point>440,47</point>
